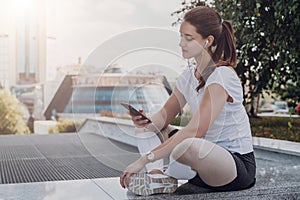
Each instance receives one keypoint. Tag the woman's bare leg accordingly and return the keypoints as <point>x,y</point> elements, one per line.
<point>149,140</point>
<point>214,164</point>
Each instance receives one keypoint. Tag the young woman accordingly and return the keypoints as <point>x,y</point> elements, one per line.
<point>215,149</point>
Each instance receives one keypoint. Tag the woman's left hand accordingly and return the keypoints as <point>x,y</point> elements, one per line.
<point>133,168</point>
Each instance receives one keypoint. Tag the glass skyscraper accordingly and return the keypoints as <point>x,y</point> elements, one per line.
<point>31,44</point>
<point>94,94</point>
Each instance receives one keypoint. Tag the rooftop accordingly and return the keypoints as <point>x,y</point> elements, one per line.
<point>87,166</point>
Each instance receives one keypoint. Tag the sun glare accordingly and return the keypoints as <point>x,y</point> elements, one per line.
<point>22,7</point>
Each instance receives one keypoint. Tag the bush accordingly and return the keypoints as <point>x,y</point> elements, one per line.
<point>282,128</point>
<point>65,126</point>
<point>11,115</point>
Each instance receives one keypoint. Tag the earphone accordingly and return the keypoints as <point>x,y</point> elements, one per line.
<point>205,44</point>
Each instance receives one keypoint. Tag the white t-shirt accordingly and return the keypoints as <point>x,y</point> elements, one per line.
<point>231,129</point>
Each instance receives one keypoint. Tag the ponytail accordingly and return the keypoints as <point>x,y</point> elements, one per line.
<point>225,53</point>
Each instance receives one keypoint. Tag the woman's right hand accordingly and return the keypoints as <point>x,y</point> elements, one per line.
<point>138,122</point>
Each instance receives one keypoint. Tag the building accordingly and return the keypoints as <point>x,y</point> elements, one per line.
<point>4,61</point>
<point>23,44</point>
<point>97,93</point>
<point>23,53</point>
<point>31,44</point>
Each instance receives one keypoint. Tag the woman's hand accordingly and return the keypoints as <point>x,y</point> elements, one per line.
<point>138,122</point>
<point>133,168</point>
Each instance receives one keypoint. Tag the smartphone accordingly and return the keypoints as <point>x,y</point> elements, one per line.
<point>135,112</point>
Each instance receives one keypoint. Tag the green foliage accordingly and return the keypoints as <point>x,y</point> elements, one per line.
<point>180,121</point>
<point>267,38</point>
<point>282,128</point>
<point>65,126</point>
<point>11,116</point>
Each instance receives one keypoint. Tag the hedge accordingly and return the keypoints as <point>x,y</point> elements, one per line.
<point>283,128</point>
<point>65,126</point>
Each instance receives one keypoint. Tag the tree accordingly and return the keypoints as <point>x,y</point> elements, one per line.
<point>11,116</point>
<point>267,41</point>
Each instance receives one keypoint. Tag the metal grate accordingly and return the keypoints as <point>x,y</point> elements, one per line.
<point>82,168</point>
<point>50,158</point>
<point>17,152</point>
<point>31,170</point>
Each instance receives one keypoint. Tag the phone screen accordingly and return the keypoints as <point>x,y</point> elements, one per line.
<point>134,112</point>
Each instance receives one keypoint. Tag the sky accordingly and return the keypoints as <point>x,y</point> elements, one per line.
<point>78,27</point>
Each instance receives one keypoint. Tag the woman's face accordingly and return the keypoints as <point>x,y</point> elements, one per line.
<point>191,42</point>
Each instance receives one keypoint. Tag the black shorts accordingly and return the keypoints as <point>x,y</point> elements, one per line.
<point>246,169</point>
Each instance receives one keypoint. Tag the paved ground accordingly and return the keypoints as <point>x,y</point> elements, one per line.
<point>73,166</point>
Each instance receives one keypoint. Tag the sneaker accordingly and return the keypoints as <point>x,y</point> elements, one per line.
<point>146,184</point>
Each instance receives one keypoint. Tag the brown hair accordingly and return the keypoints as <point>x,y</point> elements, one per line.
<point>208,22</point>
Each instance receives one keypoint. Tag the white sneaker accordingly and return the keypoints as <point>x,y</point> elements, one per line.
<point>147,184</point>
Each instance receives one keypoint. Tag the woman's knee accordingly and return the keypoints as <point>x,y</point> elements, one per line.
<point>192,148</point>
<point>185,150</point>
